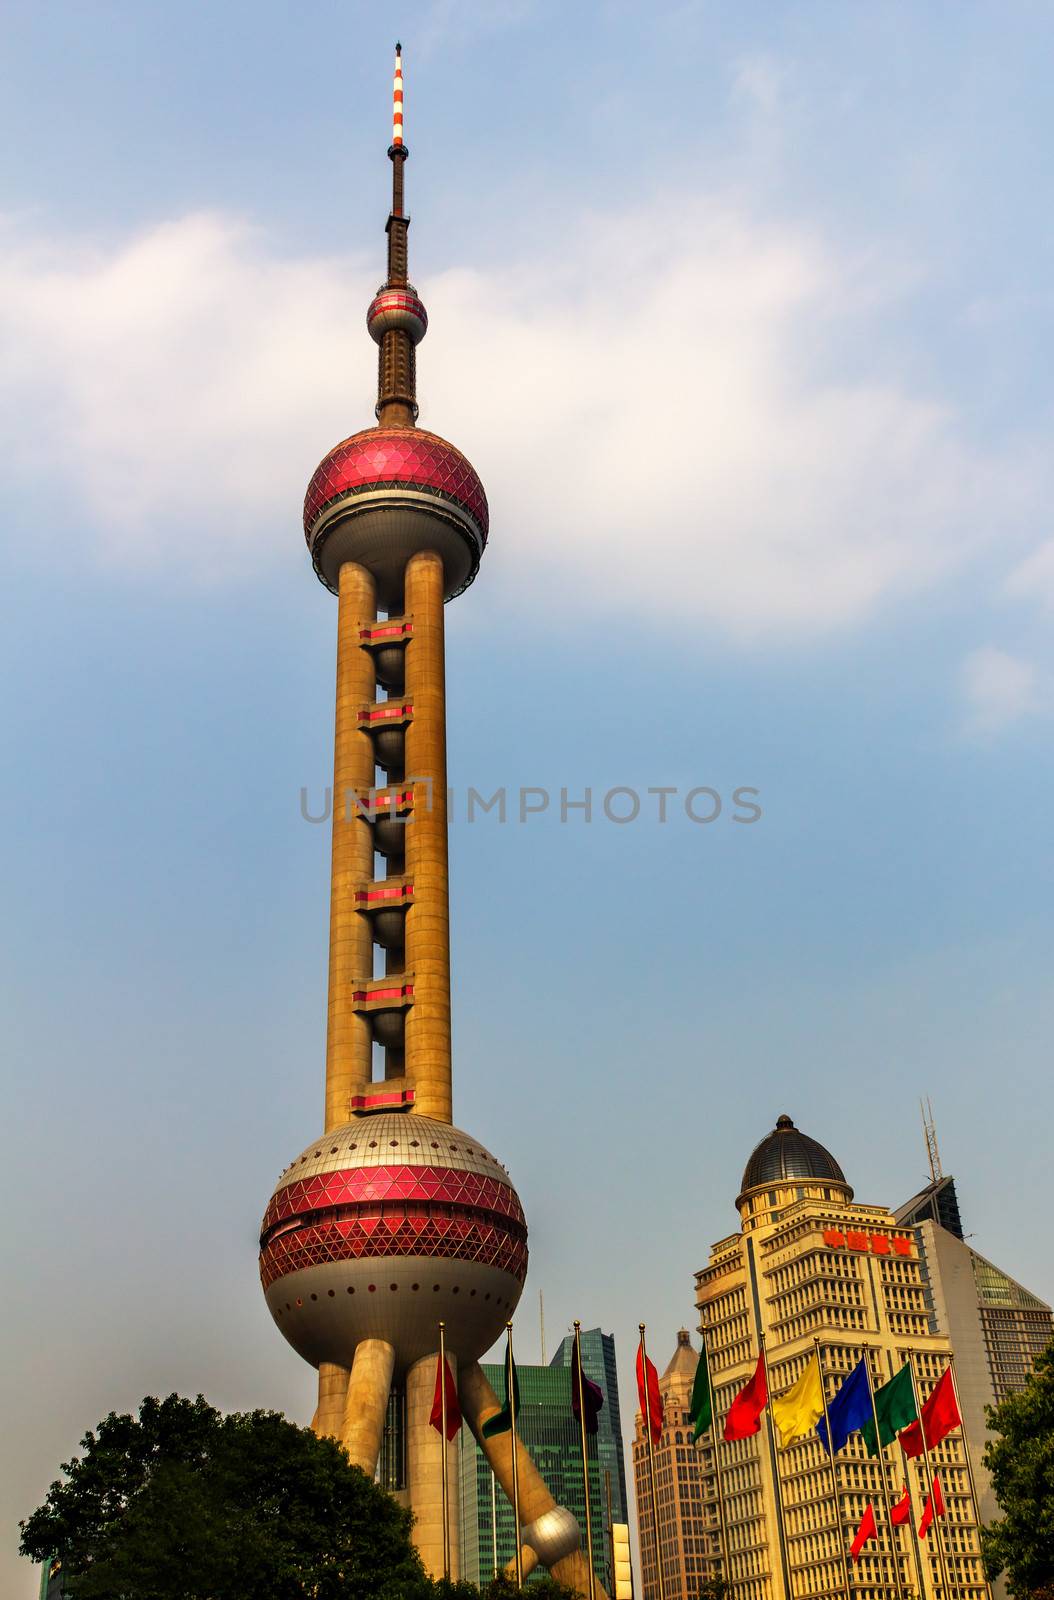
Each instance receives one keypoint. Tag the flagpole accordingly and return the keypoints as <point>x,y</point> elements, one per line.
<point>726,1572</point>
<point>775,1463</point>
<point>969,1466</point>
<point>510,1392</point>
<point>929,1475</point>
<point>916,1548</point>
<point>585,1456</point>
<point>894,1542</point>
<point>442,1457</point>
<point>835,1499</point>
<point>494,1521</point>
<point>651,1464</point>
<point>611,1528</point>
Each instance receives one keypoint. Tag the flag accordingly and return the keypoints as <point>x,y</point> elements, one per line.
<point>744,1415</point>
<point>501,1421</point>
<point>895,1408</point>
<point>650,1403</point>
<point>797,1412</point>
<point>940,1415</point>
<point>867,1530</point>
<point>701,1405</point>
<point>453,1410</point>
<point>593,1395</point>
<point>848,1411</point>
<point>935,1504</point>
<point>900,1514</point>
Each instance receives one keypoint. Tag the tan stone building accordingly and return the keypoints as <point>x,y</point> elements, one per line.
<point>688,1520</point>
<point>809,1263</point>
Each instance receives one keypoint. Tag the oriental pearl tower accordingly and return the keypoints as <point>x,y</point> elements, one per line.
<point>393,1220</point>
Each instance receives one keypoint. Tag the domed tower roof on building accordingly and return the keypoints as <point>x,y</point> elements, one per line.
<point>788,1155</point>
<point>684,1360</point>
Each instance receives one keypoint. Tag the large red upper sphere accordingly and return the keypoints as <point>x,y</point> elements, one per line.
<point>387,493</point>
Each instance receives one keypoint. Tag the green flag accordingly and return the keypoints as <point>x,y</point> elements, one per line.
<point>894,1407</point>
<point>701,1406</point>
<point>501,1421</point>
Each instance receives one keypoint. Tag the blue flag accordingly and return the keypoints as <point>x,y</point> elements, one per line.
<point>848,1411</point>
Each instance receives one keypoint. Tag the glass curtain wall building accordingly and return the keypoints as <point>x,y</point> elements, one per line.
<point>550,1431</point>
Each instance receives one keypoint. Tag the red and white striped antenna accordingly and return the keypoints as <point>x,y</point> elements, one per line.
<point>397,100</point>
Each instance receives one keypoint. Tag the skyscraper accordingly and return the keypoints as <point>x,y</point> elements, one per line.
<point>996,1327</point>
<point>551,1433</point>
<point>599,1365</point>
<point>810,1263</point>
<point>393,1220</point>
<point>689,1531</point>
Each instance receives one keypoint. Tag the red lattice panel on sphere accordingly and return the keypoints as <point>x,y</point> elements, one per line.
<point>353,1185</point>
<point>393,1211</point>
<point>393,458</point>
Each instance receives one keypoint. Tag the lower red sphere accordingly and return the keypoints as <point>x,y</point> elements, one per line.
<point>386,1226</point>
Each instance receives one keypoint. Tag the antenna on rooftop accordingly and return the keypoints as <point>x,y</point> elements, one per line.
<point>541,1318</point>
<point>929,1127</point>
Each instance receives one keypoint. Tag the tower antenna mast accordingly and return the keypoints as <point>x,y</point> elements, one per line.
<point>929,1128</point>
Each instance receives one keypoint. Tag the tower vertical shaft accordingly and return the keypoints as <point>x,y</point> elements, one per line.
<point>349,1044</point>
<point>428,1062</point>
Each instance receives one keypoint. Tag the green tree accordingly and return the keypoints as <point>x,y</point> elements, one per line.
<point>181,1503</point>
<point>1021,1462</point>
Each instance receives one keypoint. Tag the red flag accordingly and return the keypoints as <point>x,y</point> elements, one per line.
<point>744,1415</point>
<point>900,1514</point>
<point>940,1415</point>
<point>453,1410</point>
<point>935,1504</point>
<point>650,1407</point>
<point>867,1530</point>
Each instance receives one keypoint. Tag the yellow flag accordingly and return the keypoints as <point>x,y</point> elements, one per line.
<point>797,1412</point>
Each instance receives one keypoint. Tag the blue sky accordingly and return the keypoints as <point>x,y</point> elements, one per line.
<point>743,315</point>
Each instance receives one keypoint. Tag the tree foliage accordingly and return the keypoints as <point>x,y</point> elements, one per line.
<point>1021,1463</point>
<point>181,1503</point>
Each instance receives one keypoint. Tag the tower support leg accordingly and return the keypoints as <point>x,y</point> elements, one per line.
<point>478,1403</point>
<point>328,1421</point>
<point>427,1455</point>
<point>366,1402</point>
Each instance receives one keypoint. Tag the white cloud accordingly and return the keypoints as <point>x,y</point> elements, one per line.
<point>1033,578</point>
<point>757,81</point>
<point>658,412</point>
<point>999,689</point>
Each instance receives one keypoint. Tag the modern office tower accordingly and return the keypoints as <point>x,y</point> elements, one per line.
<point>51,1584</point>
<point>809,1263</point>
<point>689,1531</point>
<point>393,1220</point>
<point>550,1432</point>
<point>599,1364</point>
<point>996,1327</point>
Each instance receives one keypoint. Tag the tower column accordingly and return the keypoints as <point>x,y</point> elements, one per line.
<point>428,917</point>
<point>367,1401</point>
<point>332,1392</point>
<point>426,1453</point>
<point>349,1043</point>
